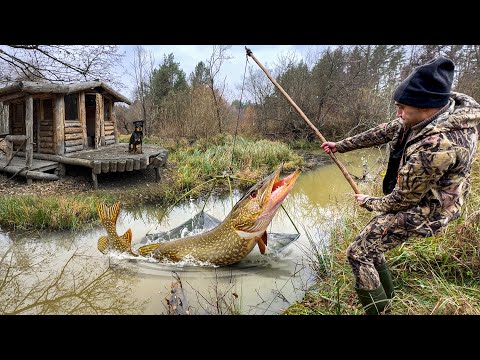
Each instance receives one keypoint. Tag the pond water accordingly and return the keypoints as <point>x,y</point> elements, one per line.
<point>64,273</point>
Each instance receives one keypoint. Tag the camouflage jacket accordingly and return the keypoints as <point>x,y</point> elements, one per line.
<point>434,174</point>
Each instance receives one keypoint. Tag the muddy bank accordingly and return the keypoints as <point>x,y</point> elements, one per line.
<point>314,160</point>
<point>78,180</point>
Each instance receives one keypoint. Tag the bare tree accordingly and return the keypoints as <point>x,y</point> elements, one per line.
<point>143,65</point>
<point>123,116</point>
<point>257,86</point>
<point>259,89</point>
<point>214,65</point>
<point>59,63</point>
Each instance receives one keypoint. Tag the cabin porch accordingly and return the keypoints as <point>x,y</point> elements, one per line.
<point>114,158</point>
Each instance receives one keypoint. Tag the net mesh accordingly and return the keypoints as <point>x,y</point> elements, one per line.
<point>203,222</point>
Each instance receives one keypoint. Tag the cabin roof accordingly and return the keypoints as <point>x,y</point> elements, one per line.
<point>32,87</point>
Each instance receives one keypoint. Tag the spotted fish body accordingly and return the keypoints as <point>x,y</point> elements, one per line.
<point>108,217</point>
<point>237,235</point>
<point>219,246</point>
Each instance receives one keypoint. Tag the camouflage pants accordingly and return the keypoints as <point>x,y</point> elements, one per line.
<point>384,232</point>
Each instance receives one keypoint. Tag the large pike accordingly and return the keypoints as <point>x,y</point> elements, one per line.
<point>243,228</point>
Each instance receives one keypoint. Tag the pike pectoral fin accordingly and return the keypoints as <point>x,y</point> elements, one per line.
<point>262,243</point>
<point>103,244</point>
<point>147,249</point>
<point>127,239</point>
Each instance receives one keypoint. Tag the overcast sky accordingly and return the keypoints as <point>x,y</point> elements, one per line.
<point>188,56</point>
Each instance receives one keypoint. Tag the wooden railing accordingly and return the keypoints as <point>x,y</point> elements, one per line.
<point>10,140</point>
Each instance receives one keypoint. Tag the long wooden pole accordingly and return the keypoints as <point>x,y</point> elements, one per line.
<point>320,136</point>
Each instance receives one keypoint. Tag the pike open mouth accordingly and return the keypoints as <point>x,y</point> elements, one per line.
<point>281,188</point>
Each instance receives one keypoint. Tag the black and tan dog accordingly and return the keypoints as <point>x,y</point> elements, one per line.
<point>135,144</point>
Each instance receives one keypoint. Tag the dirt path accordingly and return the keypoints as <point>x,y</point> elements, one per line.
<point>79,181</point>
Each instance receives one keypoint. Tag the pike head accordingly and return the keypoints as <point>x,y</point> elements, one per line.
<point>252,214</point>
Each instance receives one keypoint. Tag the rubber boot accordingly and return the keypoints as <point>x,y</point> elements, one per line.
<point>373,301</point>
<point>386,279</point>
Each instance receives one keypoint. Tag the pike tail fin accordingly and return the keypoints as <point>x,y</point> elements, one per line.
<point>108,214</point>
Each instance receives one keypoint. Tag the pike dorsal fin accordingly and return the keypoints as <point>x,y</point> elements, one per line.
<point>262,243</point>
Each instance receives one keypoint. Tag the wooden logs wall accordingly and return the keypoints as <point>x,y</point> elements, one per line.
<point>45,139</point>
<point>109,123</point>
<point>52,134</point>
<point>73,136</point>
<point>17,119</point>
<point>109,133</point>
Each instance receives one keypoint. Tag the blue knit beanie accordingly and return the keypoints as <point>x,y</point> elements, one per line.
<point>428,86</point>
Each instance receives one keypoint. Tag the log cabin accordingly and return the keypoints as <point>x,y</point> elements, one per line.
<point>53,125</point>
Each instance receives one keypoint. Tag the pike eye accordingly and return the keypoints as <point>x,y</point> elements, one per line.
<point>253,194</point>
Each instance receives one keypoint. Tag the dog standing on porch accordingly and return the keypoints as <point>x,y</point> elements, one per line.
<point>136,139</point>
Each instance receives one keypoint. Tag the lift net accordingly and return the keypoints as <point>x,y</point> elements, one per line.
<point>203,222</point>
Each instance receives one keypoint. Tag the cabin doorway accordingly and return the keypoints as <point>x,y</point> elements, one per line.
<point>90,110</point>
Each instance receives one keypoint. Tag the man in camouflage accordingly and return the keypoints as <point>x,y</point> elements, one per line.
<point>433,144</point>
